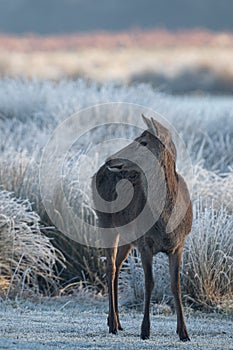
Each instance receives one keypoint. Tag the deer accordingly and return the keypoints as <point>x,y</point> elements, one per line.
<point>169,226</point>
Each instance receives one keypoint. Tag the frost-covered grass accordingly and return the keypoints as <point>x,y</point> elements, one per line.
<point>30,111</point>
<point>28,259</point>
<point>208,258</point>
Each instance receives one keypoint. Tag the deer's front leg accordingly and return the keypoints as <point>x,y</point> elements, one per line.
<point>147,258</point>
<point>111,271</point>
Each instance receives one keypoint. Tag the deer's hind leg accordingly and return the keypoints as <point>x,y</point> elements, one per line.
<point>174,267</point>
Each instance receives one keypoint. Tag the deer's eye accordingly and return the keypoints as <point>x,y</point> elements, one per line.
<point>143,143</point>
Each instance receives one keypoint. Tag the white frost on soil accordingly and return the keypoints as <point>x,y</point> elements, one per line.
<point>80,324</point>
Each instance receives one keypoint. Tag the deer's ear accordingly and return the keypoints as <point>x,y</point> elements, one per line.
<point>146,121</point>
<point>154,127</point>
<point>161,131</point>
<point>164,135</point>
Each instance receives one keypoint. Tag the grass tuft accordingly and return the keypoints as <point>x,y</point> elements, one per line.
<point>27,257</point>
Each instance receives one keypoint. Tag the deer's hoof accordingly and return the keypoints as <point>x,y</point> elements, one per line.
<point>144,336</point>
<point>184,339</point>
<point>145,330</point>
<point>113,326</point>
<point>184,336</point>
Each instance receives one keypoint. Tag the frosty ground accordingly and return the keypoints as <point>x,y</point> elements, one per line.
<point>75,323</point>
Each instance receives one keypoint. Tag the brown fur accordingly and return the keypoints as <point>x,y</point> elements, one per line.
<point>168,233</point>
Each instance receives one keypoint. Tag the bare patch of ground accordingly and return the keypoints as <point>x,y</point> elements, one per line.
<point>78,324</point>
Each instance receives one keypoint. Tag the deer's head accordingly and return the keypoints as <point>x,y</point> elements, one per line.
<point>156,141</point>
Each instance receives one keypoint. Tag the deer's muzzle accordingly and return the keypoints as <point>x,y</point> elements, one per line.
<point>114,165</point>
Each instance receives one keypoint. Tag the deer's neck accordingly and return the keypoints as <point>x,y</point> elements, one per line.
<point>171,176</point>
